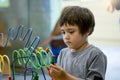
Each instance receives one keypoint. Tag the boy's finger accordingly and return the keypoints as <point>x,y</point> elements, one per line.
<point>54,66</point>
<point>48,68</point>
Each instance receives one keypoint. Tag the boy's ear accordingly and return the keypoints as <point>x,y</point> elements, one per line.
<point>87,33</point>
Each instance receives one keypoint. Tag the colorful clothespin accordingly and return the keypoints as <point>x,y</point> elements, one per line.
<point>52,59</point>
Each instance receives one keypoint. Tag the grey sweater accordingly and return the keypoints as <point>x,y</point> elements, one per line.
<point>88,64</point>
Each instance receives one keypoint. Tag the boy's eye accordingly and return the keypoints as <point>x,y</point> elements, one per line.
<point>71,32</point>
<point>62,32</point>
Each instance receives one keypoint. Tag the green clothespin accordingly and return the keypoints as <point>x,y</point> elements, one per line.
<point>52,59</point>
<point>35,77</point>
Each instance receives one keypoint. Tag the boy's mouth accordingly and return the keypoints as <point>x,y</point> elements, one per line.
<point>68,42</point>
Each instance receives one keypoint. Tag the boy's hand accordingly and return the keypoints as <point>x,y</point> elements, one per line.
<point>56,72</point>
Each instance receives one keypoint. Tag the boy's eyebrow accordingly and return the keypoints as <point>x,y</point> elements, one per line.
<point>66,29</point>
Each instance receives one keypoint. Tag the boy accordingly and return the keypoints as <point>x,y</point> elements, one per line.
<point>80,60</point>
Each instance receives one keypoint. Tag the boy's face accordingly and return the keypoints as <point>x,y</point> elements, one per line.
<point>72,36</point>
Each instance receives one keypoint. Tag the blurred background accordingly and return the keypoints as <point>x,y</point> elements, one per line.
<point>42,15</point>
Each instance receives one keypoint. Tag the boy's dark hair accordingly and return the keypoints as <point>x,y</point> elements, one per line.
<point>79,16</point>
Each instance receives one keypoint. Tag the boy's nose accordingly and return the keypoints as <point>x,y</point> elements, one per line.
<point>66,36</point>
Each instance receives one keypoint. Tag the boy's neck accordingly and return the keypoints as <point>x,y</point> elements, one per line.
<point>82,47</point>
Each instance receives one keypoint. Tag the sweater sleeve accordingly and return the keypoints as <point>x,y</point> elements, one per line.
<point>97,67</point>
<point>59,62</point>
